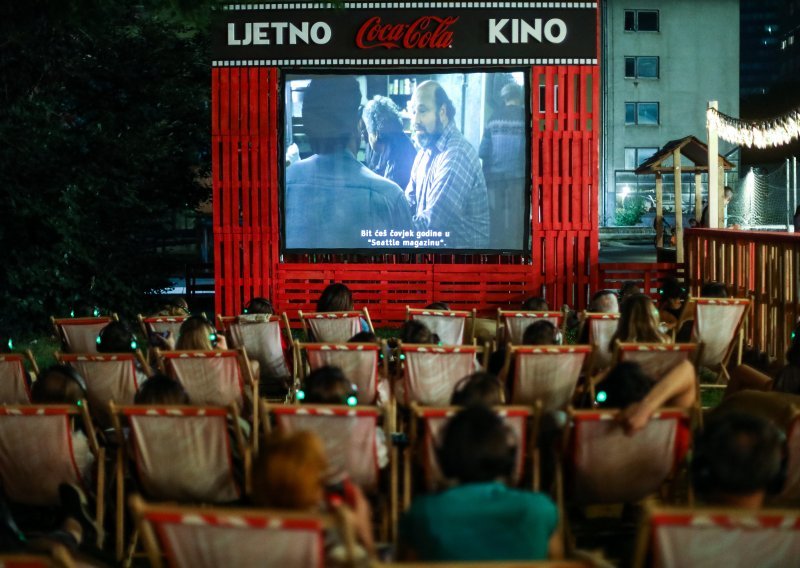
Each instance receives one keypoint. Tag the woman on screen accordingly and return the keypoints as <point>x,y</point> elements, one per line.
<point>390,153</point>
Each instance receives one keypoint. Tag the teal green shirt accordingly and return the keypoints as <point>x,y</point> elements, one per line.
<point>480,521</point>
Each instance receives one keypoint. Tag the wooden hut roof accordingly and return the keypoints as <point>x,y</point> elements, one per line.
<point>694,150</point>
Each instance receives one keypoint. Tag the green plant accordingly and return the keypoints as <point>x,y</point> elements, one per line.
<point>633,209</point>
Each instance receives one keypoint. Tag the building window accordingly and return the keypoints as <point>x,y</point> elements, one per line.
<point>641,20</point>
<point>635,157</point>
<point>641,67</point>
<point>642,113</point>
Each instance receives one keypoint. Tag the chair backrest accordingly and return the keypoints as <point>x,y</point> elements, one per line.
<point>708,538</point>
<point>791,488</point>
<point>546,373</point>
<point>511,325</point>
<point>349,435</point>
<point>360,363</point>
<point>108,376</point>
<point>331,327</point>
<point>601,329</point>
<point>14,387</point>
<point>433,420</point>
<point>610,466</point>
<point>656,359</point>
<point>192,537</point>
<point>79,335</point>
<point>162,324</point>
<point>449,325</point>
<point>430,372</point>
<point>213,377</point>
<point>261,336</point>
<point>716,323</point>
<point>181,453</point>
<point>36,452</point>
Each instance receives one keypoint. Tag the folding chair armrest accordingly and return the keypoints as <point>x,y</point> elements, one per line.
<point>91,435</point>
<point>29,356</point>
<point>369,320</point>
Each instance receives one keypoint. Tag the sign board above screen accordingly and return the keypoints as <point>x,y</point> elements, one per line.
<point>291,34</point>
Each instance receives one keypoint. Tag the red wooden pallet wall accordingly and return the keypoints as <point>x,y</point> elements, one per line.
<point>564,163</point>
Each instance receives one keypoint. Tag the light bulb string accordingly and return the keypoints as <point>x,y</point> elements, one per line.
<point>761,133</point>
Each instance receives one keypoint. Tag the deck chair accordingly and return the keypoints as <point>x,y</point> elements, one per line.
<point>426,428</point>
<point>605,465</point>
<point>179,453</point>
<point>717,324</point>
<point>430,372</point>
<point>15,387</point>
<point>333,327</point>
<point>260,335</point>
<point>791,487</point>
<point>362,363</point>
<point>601,329</point>
<point>548,374</point>
<point>657,359</point>
<point>79,335</point>
<point>449,325</point>
<point>162,324</point>
<point>672,537</point>
<point>193,537</point>
<point>108,376</point>
<point>39,450</point>
<point>511,324</point>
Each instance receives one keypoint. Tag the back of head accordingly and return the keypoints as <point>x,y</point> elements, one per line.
<point>289,471</point>
<point>639,321</point>
<point>477,447</point>
<point>512,93</point>
<point>415,332</point>
<point>625,384</point>
<point>714,290</point>
<point>259,306</point>
<point>629,288</point>
<point>535,304</point>
<point>541,332</point>
<point>671,289</point>
<point>330,112</point>
<point>363,337</point>
<point>335,298</point>
<point>196,333</point>
<point>382,116</point>
<point>604,301</point>
<point>116,337</point>
<point>443,306</point>
<point>328,385</point>
<point>161,389</point>
<point>58,384</point>
<point>478,389</point>
<point>793,354</point>
<point>738,454</point>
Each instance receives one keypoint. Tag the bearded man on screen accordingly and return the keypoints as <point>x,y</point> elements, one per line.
<point>447,190</point>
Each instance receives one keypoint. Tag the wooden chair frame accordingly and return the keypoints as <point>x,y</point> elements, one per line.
<point>503,335</point>
<point>468,314</point>
<point>59,323</point>
<point>305,316</point>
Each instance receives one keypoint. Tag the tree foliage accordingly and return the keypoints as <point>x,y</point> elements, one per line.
<point>104,127</point>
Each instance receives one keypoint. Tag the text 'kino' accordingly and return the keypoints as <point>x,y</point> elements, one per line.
<point>280,33</point>
<point>520,31</point>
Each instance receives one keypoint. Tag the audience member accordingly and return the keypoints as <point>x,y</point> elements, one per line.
<point>363,337</point>
<point>480,518</point>
<point>174,308</point>
<point>259,306</point>
<point>443,306</point>
<point>714,290</point>
<point>117,337</point>
<point>604,301</point>
<point>672,298</point>
<point>198,334</point>
<point>638,323</point>
<point>161,389</point>
<point>788,379</point>
<point>328,385</point>
<point>338,298</point>
<point>541,332</point>
<point>478,388</point>
<point>629,288</point>
<point>535,304</point>
<point>414,331</point>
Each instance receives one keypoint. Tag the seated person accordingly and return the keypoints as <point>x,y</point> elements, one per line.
<point>174,308</point>
<point>161,389</point>
<point>478,388</point>
<point>535,304</point>
<point>788,379</point>
<point>197,334</point>
<point>440,306</point>
<point>363,337</point>
<point>259,306</point>
<point>738,461</point>
<point>708,290</point>
<point>338,298</point>
<point>116,337</point>
<point>604,301</point>
<point>541,332</point>
<point>628,288</point>
<point>639,323</point>
<point>480,518</point>
<point>671,305</point>
<point>416,332</point>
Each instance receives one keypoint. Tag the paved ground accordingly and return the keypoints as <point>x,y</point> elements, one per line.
<point>627,251</point>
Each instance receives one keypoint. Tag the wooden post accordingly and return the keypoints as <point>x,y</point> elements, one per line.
<point>676,172</point>
<point>721,194</point>
<point>698,196</point>
<point>713,172</point>
<point>659,212</point>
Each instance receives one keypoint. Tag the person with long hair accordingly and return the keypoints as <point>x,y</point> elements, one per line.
<point>638,322</point>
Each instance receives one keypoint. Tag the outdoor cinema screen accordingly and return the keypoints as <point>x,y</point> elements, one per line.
<point>406,162</point>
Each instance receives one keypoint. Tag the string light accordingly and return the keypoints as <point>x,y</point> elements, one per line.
<point>761,134</point>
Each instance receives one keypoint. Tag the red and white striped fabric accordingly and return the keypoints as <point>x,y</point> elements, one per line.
<point>212,538</point>
<point>358,361</point>
<point>349,435</point>
<point>331,327</point>
<point>791,488</point>
<point>182,453</point>
<point>37,453</point>
<point>434,420</point>
<point>548,374</point>
<point>610,466</point>
<point>14,387</point>
<point>430,372</point>
<point>732,538</point>
<point>601,329</point>
<point>261,337</point>
<point>716,323</point>
<point>163,324</point>
<point>209,377</point>
<point>515,323</point>
<point>79,335</point>
<point>656,359</point>
<point>448,325</point>
<point>108,377</point>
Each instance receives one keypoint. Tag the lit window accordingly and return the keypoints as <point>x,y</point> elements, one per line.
<point>641,67</point>
<point>641,21</point>
<point>642,113</point>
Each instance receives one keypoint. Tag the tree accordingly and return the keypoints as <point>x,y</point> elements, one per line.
<point>104,128</point>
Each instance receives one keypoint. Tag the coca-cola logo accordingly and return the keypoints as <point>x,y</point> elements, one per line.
<point>427,32</point>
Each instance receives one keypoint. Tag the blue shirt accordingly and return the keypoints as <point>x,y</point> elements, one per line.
<point>480,521</point>
<point>332,198</point>
<point>448,192</point>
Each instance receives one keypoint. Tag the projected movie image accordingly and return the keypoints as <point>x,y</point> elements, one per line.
<point>425,162</point>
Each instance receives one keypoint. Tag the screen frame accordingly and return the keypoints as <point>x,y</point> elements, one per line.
<point>409,70</point>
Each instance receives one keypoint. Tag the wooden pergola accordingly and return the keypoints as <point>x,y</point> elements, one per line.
<point>668,160</point>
